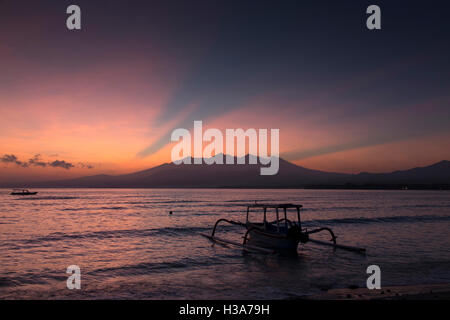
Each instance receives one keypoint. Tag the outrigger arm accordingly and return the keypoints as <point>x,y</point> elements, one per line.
<point>333,240</point>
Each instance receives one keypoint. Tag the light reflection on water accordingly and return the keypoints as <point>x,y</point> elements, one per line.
<point>128,246</point>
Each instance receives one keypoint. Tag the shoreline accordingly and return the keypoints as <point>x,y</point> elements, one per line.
<point>439,291</point>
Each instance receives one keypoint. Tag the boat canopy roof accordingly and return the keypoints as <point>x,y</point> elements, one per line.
<point>275,206</point>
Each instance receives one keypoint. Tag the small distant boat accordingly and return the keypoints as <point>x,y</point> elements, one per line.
<point>22,192</point>
<point>280,235</point>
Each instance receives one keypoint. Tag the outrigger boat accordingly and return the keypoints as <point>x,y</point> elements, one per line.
<point>22,192</point>
<point>278,236</point>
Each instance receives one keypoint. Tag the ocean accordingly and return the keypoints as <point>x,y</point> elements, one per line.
<point>128,246</point>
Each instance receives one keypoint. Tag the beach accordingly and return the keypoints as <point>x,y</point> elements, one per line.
<point>412,292</point>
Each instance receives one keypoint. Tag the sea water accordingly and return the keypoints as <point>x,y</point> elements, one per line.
<point>128,246</point>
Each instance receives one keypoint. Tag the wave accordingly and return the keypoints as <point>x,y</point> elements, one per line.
<point>110,234</point>
<point>144,268</point>
<point>235,204</point>
<point>353,208</point>
<point>141,268</point>
<point>422,206</point>
<point>195,230</point>
<point>11,281</point>
<point>163,201</point>
<point>48,198</point>
<point>362,220</point>
<point>95,208</point>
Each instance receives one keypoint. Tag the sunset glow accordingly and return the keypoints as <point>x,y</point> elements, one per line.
<point>107,104</point>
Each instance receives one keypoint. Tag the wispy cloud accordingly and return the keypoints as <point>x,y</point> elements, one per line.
<point>10,158</point>
<point>61,164</point>
<point>36,161</point>
<point>85,165</point>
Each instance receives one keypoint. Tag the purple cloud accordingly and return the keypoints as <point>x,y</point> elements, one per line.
<point>37,162</point>
<point>61,164</point>
<point>10,158</point>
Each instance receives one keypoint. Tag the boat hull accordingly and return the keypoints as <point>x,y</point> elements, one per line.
<point>271,241</point>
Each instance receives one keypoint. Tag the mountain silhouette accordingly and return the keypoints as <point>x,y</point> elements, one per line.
<point>169,175</point>
<point>438,173</point>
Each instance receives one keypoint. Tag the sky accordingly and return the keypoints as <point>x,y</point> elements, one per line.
<point>105,99</point>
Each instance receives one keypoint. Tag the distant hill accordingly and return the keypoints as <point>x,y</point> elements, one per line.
<point>438,173</point>
<point>169,175</point>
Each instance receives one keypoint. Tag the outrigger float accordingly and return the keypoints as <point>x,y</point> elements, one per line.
<point>279,236</point>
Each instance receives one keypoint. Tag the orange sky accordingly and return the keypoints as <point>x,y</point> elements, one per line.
<point>105,99</point>
<point>61,128</point>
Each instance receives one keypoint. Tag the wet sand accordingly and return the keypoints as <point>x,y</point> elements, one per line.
<point>414,292</point>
